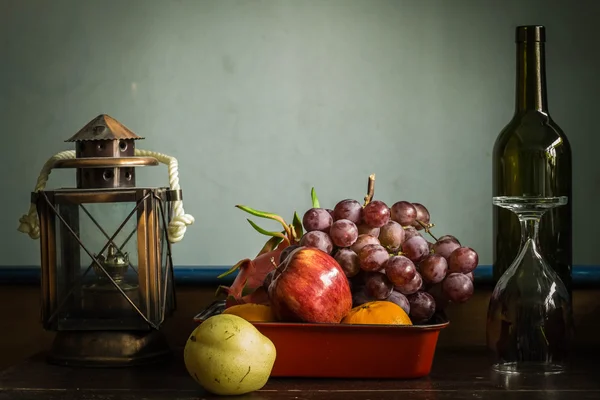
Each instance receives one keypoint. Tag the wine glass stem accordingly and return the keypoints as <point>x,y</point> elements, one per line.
<point>529,228</point>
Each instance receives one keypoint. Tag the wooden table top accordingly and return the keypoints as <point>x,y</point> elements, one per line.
<point>456,374</point>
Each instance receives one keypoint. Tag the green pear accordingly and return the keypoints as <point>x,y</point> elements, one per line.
<point>227,355</point>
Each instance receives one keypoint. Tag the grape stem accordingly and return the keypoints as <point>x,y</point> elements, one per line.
<point>427,229</point>
<point>279,269</point>
<point>370,189</point>
<point>272,260</point>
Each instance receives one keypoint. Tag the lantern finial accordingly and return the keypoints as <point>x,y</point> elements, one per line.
<point>103,127</point>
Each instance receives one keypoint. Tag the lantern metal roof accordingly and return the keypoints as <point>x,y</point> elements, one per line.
<point>103,127</point>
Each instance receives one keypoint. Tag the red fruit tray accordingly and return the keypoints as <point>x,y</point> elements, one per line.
<point>348,351</point>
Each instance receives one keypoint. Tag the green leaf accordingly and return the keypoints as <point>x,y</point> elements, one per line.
<point>315,199</point>
<point>220,290</point>
<point>262,214</point>
<point>258,213</point>
<point>234,268</point>
<point>246,291</point>
<point>266,232</point>
<point>270,245</point>
<point>297,224</point>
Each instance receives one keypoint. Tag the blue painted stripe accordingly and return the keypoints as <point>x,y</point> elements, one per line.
<point>583,275</point>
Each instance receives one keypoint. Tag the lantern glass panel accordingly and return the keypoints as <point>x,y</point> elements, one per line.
<point>86,298</point>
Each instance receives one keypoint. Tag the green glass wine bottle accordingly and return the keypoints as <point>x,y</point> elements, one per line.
<point>532,156</point>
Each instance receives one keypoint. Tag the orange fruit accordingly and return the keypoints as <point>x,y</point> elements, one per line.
<point>252,312</point>
<point>377,312</point>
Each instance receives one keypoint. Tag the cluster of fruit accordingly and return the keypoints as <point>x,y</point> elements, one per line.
<point>385,257</point>
<point>379,251</point>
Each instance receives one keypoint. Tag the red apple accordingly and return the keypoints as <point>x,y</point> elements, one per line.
<point>310,286</point>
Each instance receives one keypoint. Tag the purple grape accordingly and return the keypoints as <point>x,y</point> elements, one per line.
<point>463,259</point>
<point>400,299</point>
<point>400,270</point>
<point>343,233</point>
<point>415,248</point>
<point>348,209</point>
<point>433,268</point>
<point>361,297</point>
<point>445,247</point>
<point>358,280</point>
<point>372,257</point>
<point>422,307</point>
<point>411,287</point>
<point>471,276</point>
<point>457,287</point>
<point>410,232</point>
<point>330,211</point>
<point>317,219</point>
<point>441,301</point>
<point>403,212</point>
<point>348,260</point>
<point>422,216</point>
<point>362,241</point>
<point>376,214</point>
<point>367,230</point>
<point>448,237</point>
<point>391,236</point>
<point>286,252</point>
<point>317,239</point>
<point>378,286</point>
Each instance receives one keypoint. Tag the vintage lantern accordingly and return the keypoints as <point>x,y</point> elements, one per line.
<point>106,267</point>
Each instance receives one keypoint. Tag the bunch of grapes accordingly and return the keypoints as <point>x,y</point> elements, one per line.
<point>386,256</point>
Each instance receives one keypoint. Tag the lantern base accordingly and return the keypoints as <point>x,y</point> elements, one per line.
<point>108,348</point>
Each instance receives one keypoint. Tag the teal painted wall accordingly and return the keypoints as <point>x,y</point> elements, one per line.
<point>260,100</point>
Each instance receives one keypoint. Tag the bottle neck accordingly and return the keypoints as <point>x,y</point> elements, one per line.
<point>531,77</point>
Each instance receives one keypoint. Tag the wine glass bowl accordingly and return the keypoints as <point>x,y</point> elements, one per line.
<point>529,320</point>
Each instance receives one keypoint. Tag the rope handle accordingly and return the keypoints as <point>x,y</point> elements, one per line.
<point>29,223</point>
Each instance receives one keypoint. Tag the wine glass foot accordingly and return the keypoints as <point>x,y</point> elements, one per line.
<point>529,368</point>
<point>529,205</point>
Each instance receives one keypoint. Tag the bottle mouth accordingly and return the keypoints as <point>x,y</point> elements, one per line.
<point>530,33</point>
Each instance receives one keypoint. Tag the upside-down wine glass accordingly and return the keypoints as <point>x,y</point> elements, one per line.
<point>529,319</point>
